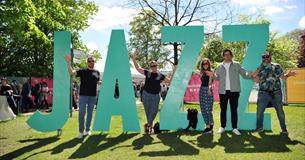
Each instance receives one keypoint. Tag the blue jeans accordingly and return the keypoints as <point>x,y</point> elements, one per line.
<point>262,101</point>
<point>151,105</point>
<point>85,102</point>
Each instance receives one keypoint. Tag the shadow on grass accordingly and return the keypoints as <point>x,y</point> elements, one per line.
<point>91,145</point>
<point>39,142</point>
<point>138,143</point>
<point>142,141</point>
<point>206,141</point>
<point>247,143</point>
<point>60,148</point>
<point>175,144</point>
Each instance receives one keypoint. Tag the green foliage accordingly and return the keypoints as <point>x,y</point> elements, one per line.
<point>83,61</point>
<point>145,40</point>
<point>284,51</point>
<point>26,33</point>
<point>215,46</point>
<point>284,48</point>
<point>296,36</point>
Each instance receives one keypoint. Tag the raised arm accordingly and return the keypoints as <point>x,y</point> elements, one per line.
<point>139,69</point>
<point>169,79</point>
<point>71,70</point>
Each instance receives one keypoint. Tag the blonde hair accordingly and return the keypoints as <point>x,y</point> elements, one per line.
<point>153,63</point>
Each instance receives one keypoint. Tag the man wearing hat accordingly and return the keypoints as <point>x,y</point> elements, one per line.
<point>89,78</point>
<point>268,76</point>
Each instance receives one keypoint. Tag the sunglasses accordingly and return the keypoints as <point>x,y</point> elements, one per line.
<point>265,57</point>
<point>90,61</point>
<point>153,66</point>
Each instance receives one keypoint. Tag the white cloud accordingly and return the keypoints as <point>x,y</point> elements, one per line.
<point>302,22</point>
<point>266,6</point>
<point>258,2</point>
<point>92,46</point>
<point>253,10</point>
<point>110,17</point>
<point>251,2</point>
<point>270,10</point>
<point>290,7</point>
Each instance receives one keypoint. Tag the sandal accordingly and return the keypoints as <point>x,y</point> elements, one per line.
<point>151,130</point>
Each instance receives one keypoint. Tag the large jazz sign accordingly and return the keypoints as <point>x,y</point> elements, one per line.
<point>117,69</point>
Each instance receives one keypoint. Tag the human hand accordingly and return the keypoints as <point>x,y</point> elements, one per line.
<point>68,58</point>
<point>209,73</point>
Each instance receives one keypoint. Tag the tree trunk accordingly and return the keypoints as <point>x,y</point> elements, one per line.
<point>175,53</point>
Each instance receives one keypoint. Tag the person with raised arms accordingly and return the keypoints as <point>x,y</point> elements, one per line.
<point>151,90</point>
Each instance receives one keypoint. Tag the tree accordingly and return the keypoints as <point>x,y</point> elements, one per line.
<point>215,46</point>
<point>283,50</point>
<point>182,13</point>
<point>298,36</point>
<point>301,57</point>
<point>282,47</point>
<point>26,33</point>
<point>145,40</point>
<point>83,61</point>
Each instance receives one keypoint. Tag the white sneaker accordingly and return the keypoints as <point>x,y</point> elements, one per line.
<point>221,130</point>
<point>88,133</point>
<point>236,132</point>
<point>80,135</point>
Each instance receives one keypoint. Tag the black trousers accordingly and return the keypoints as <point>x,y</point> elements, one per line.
<point>11,102</point>
<point>232,97</point>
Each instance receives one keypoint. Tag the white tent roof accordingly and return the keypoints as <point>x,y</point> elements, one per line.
<point>134,73</point>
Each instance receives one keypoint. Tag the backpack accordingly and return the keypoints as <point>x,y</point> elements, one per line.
<point>157,128</point>
<point>192,118</point>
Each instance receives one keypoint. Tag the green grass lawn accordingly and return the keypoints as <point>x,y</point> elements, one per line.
<point>18,141</point>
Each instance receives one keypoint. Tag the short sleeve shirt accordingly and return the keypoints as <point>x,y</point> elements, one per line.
<point>153,81</point>
<point>269,76</point>
<point>88,81</point>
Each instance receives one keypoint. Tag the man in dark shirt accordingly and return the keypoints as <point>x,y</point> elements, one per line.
<point>15,87</point>
<point>89,78</point>
<point>37,93</point>
<point>26,97</point>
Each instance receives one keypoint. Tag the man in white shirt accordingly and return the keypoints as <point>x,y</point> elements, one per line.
<point>229,88</point>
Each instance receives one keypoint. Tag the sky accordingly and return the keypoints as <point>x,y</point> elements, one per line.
<point>286,15</point>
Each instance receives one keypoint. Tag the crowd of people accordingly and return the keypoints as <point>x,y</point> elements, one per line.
<point>23,97</point>
<point>155,86</point>
<point>139,88</point>
<point>267,75</point>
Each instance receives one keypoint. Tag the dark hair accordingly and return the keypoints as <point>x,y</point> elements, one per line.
<point>227,50</point>
<point>201,65</point>
<point>91,58</point>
